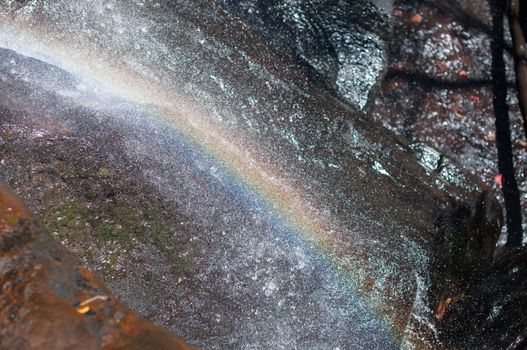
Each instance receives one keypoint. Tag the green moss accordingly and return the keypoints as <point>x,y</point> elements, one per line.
<point>109,266</point>
<point>86,216</point>
<point>99,206</point>
<point>64,219</point>
<point>196,252</point>
<point>163,240</point>
<point>182,266</point>
<point>67,219</point>
<point>176,270</point>
<point>187,263</point>
<point>87,256</point>
<point>104,172</point>
<point>113,259</point>
<point>106,232</point>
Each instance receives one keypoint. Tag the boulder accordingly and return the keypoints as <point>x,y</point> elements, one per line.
<point>49,300</point>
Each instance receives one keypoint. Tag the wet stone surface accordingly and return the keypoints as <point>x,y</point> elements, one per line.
<point>439,90</point>
<point>438,87</point>
<point>339,40</point>
<point>310,226</point>
<point>89,199</point>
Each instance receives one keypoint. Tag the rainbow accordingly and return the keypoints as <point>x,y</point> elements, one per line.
<point>235,152</point>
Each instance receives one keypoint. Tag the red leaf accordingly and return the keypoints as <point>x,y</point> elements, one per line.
<point>498,179</point>
<point>416,18</point>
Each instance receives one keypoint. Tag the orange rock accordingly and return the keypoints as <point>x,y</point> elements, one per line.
<point>11,210</point>
<point>46,292</point>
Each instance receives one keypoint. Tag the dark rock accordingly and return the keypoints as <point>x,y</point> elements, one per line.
<point>439,90</point>
<point>490,313</point>
<point>337,39</point>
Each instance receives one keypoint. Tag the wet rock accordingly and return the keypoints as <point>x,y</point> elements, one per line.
<point>339,40</point>
<point>442,69</point>
<point>49,300</point>
<point>316,227</point>
<point>490,314</point>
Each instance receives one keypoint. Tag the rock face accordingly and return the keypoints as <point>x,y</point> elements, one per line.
<point>490,314</point>
<point>50,301</point>
<point>443,87</point>
<point>315,227</point>
<point>340,40</point>
<point>440,89</point>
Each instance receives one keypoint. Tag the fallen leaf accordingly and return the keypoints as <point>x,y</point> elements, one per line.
<point>454,108</point>
<point>416,18</point>
<point>442,307</point>
<point>463,73</point>
<point>83,309</point>
<point>498,179</point>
